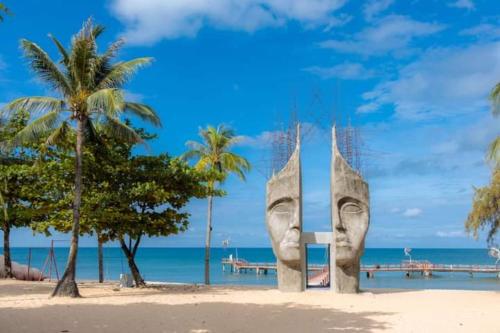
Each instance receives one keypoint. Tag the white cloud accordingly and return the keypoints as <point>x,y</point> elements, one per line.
<point>464,4</point>
<point>450,234</point>
<point>412,212</point>
<point>148,21</point>
<point>375,7</point>
<point>391,34</point>
<point>475,137</point>
<point>483,31</point>
<point>346,71</point>
<point>260,141</point>
<point>442,82</point>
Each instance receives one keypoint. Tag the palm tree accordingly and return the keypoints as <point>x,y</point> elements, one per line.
<point>90,101</point>
<point>214,155</point>
<point>494,149</point>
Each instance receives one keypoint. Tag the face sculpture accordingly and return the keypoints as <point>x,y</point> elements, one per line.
<point>284,228</point>
<point>350,210</point>
<point>350,226</point>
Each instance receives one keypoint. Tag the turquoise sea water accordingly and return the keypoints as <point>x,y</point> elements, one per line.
<point>186,265</point>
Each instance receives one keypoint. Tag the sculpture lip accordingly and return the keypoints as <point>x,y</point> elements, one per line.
<point>343,244</point>
<point>342,241</point>
<point>291,244</point>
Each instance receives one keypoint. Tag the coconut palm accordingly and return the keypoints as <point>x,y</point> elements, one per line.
<point>494,149</point>
<point>90,100</point>
<point>213,155</point>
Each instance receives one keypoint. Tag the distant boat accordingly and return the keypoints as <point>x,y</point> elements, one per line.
<point>225,243</point>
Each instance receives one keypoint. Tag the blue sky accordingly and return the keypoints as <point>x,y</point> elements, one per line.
<point>413,75</point>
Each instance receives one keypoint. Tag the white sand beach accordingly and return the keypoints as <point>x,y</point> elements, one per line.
<point>26,307</point>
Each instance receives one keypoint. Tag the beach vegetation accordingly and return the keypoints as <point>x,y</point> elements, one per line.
<point>16,176</point>
<point>89,101</point>
<point>485,212</point>
<point>213,154</point>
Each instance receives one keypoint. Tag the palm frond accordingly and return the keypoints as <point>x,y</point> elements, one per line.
<point>60,134</point>
<point>48,71</point>
<point>117,129</point>
<point>35,104</point>
<point>83,58</point>
<point>97,30</point>
<point>107,101</point>
<point>62,50</point>
<point>144,112</point>
<point>493,153</point>
<point>92,133</point>
<point>495,99</point>
<point>37,129</point>
<point>214,154</point>
<point>190,155</point>
<point>5,10</point>
<point>121,72</point>
<point>235,164</point>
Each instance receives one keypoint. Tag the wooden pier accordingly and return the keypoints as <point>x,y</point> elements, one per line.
<point>423,267</point>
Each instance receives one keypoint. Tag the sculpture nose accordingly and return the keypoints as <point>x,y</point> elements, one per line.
<point>294,223</point>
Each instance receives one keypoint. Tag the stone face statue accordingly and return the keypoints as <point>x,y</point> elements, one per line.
<point>350,220</point>
<point>284,222</point>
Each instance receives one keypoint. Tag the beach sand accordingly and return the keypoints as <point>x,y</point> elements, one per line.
<point>26,307</point>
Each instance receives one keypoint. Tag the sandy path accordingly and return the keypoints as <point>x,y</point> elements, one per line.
<point>25,307</point>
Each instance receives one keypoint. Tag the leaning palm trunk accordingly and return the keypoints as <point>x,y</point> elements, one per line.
<point>100,258</point>
<point>6,238</point>
<point>207,240</point>
<point>6,251</point>
<point>67,285</point>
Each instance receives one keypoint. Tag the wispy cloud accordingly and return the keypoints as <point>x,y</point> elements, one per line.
<point>412,212</point>
<point>148,21</point>
<point>463,4</point>
<point>374,7</point>
<point>392,34</point>
<point>484,31</point>
<point>451,234</point>
<point>346,71</point>
<point>442,82</point>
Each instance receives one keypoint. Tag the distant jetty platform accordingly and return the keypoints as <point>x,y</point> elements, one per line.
<point>408,267</point>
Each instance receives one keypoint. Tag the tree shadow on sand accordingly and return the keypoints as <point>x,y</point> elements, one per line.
<point>198,317</point>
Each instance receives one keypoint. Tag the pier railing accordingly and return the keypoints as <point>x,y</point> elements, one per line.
<point>424,267</point>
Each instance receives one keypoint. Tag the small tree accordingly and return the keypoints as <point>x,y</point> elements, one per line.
<point>486,203</point>
<point>485,212</point>
<point>91,97</point>
<point>214,156</point>
<point>15,177</point>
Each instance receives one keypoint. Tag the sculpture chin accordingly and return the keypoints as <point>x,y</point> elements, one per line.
<point>289,252</point>
<point>345,256</point>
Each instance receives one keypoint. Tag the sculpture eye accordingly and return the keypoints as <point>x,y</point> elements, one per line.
<point>351,208</point>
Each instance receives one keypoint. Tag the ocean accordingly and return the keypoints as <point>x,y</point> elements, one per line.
<point>185,265</point>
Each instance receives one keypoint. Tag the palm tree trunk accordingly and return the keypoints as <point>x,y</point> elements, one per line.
<point>6,237</point>
<point>100,258</point>
<point>67,285</point>
<point>6,251</point>
<point>207,240</point>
